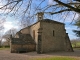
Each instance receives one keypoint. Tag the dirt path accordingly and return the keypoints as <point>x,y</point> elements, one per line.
<point>6,55</point>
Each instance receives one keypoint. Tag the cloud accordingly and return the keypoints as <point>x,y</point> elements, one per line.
<point>70,27</point>
<point>8,25</point>
<point>51,2</point>
<point>72,36</point>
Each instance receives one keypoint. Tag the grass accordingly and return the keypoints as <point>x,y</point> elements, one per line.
<point>55,58</point>
<point>77,44</point>
<point>77,48</point>
<point>3,48</point>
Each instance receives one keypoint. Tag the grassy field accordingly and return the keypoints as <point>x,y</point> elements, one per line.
<point>56,58</point>
<point>77,44</point>
<point>3,48</point>
<point>77,48</point>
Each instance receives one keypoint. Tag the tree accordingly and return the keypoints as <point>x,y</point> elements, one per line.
<point>71,8</point>
<point>28,8</point>
<point>2,21</point>
<point>77,23</point>
<point>75,42</point>
<point>0,42</point>
<point>8,34</point>
<point>25,23</point>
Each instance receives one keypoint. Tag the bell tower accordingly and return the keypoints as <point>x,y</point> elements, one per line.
<point>40,16</point>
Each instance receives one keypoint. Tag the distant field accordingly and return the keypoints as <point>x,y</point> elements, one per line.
<point>3,48</point>
<point>77,44</point>
<point>55,58</point>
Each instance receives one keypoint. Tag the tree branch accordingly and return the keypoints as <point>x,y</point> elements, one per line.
<point>9,4</point>
<point>72,8</point>
<point>59,11</point>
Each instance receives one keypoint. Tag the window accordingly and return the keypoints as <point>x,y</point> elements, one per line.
<point>53,32</point>
<point>40,18</point>
<point>34,34</point>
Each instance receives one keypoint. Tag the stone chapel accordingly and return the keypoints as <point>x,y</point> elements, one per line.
<point>43,36</point>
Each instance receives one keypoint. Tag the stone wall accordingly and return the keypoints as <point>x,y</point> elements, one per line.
<point>35,28</point>
<point>23,44</point>
<point>25,31</point>
<point>50,42</point>
<point>18,48</point>
<point>53,36</point>
<point>68,46</point>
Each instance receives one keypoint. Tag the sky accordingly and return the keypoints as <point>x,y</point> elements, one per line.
<point>11,22</point>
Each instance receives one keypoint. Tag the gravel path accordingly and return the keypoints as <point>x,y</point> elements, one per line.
<point>6,55</point>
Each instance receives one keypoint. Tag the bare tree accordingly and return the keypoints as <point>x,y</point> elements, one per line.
<point>74,43</point>
<point>25,23</point>
<point>28,8</point>
<point>8,34</point>
<point>2,21</point>
<point>0,42</point>
<point>7,37</point>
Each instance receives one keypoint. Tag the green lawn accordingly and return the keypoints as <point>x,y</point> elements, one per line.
<point>77,48</point>
<point>77,44</point>
<point>55,58</point>
<point>4,48</point>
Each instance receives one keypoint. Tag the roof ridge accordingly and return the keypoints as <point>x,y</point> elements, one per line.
<point>44,20</point>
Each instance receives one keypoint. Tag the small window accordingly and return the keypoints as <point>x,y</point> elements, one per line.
<point>53,32</point>
<point>33,34</point>
<point>40,18</point>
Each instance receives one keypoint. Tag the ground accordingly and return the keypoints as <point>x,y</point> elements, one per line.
<point>6,55</point>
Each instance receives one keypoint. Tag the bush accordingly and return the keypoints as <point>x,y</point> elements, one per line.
<point>7,46</point>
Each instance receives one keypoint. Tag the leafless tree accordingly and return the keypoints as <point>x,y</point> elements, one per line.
<point>0,42</point>
<point>8,34</point>
<point>7,37</point>
<point>2,21</point>
<point>25,23</point>
<point>28,8</point>
<point>74,42</point>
